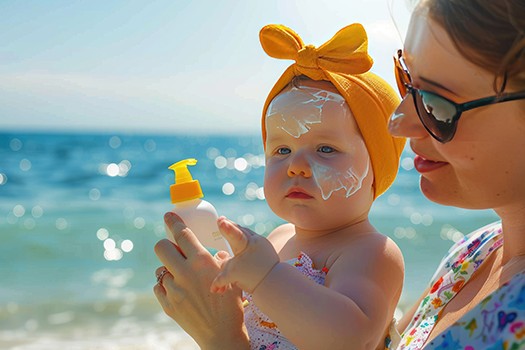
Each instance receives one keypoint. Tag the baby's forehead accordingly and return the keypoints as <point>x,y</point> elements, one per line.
<point>299,109</point>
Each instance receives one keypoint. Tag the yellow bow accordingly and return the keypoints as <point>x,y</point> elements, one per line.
<point>345,53</point>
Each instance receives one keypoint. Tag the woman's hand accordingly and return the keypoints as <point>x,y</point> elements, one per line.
<point>215,321</point>
<point>254,258</point>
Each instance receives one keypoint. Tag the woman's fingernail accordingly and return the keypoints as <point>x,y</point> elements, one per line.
<point>169,217</point>
<point>221,254</point>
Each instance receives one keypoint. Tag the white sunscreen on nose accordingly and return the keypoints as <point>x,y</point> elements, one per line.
<point>199,215</point>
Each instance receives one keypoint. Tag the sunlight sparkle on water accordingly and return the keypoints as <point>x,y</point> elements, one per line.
<point>254,192</point>
<point>94,194</point>
<point>427,220</point>
<point>399,232</point>
<point>61,224</point>
<point>113,254</point>
<point>139,222</point>
<point>228,188</point>
<point>212,153</point>
<point>115,142</point>
<point>25,164</point>
<point>19,210</point>
<point>393,199</point>
<point>112,170</point>
<point>451,233</point>
<point>37,212</point>
<point>11,218</point>
<point>220,162</point>
<point>248,219</point>
<point>150,145</point>
<point>15,144</point>
<point>124,168</point>
<point>416,218</point>
<point>230,153</point>
<point>126,245</point>
<point>230,163</point>
<point>29,223</point>
<point>102,234</point>
<point>410,233</point>
<point>3,178</point>
<point>260,228</point>
<point>240,164</point>
<point>407,163</point>
<point>109,244</point>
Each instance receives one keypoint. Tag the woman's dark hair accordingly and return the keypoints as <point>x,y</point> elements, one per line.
<point>489,33</point>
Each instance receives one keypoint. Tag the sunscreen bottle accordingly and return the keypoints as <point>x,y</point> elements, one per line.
<point>199,215</point>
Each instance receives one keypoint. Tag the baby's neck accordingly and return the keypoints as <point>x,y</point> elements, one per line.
<point>321,245</point>
<point>358,226</point>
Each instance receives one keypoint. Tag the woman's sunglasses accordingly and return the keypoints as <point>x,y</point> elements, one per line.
<point>438,114</point>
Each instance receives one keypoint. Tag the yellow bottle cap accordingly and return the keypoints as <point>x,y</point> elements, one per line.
<point>185,188</point>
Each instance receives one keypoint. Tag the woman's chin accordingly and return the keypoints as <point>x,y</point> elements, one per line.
<point>440,195</point>
<point>450,195</point>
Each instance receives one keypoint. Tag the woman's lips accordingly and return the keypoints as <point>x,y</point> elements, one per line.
<point>298,195</point>
<point>424,165</point>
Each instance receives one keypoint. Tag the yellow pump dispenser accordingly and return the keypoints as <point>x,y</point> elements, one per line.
<point>199,215</point>
<point>185,188</point>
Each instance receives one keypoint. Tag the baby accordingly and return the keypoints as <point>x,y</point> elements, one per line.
<point>328,279</point>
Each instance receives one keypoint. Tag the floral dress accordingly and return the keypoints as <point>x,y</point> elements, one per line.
<point>263,333</point>
<point>497,322</point>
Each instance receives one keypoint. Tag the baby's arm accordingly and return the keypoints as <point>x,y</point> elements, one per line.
<point>364,284</point>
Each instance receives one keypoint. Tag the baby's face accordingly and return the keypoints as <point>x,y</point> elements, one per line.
<point>317,165</point>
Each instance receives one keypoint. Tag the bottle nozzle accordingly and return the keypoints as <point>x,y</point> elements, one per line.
<point>185,188</point>
<point>182,174</point>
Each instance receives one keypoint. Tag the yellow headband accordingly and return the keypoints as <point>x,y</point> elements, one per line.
<point>343,61</point>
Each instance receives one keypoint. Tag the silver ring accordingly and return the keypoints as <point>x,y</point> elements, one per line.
<point>160,275</point>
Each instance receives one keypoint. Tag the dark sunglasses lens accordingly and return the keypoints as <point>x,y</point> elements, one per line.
<point>437,115</point>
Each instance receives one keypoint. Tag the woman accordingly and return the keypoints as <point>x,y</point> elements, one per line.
<point>470,156</point>
<point>464,51</point>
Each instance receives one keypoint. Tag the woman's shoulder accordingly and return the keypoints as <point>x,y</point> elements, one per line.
<point>478,243</point>
<point>481,235</point>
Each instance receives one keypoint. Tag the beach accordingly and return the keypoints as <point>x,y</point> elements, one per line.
<point>81,213</point>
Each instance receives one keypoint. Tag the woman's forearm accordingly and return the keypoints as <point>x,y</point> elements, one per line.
<point>229,339</point>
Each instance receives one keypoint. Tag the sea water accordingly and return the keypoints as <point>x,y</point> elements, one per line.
<point>80,215</point>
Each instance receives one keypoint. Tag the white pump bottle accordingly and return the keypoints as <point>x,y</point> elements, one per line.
<point>199,215</point>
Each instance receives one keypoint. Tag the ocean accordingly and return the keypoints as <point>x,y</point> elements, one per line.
<point>81,213</point>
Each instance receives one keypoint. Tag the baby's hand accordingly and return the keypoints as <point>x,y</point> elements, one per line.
<point>254,258</point>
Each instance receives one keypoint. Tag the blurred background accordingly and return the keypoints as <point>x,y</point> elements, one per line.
<point>97,99</point>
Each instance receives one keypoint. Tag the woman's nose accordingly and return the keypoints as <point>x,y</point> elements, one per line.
<point>404,122</point>
<point>299,166</point>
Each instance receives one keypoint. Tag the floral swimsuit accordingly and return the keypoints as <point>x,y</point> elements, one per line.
<point>264,334</point>
<point>497,322</point>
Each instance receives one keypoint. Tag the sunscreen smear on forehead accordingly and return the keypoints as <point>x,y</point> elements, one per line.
<point>199,215</point>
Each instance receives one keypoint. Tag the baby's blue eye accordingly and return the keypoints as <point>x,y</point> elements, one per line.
<point>326,149</point>
<point>284,150</point>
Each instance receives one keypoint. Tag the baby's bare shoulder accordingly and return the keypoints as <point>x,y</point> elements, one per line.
<point>373,251</point>
<point>279,236</point>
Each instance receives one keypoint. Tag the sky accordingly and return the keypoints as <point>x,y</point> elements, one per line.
<point>167,66</point>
